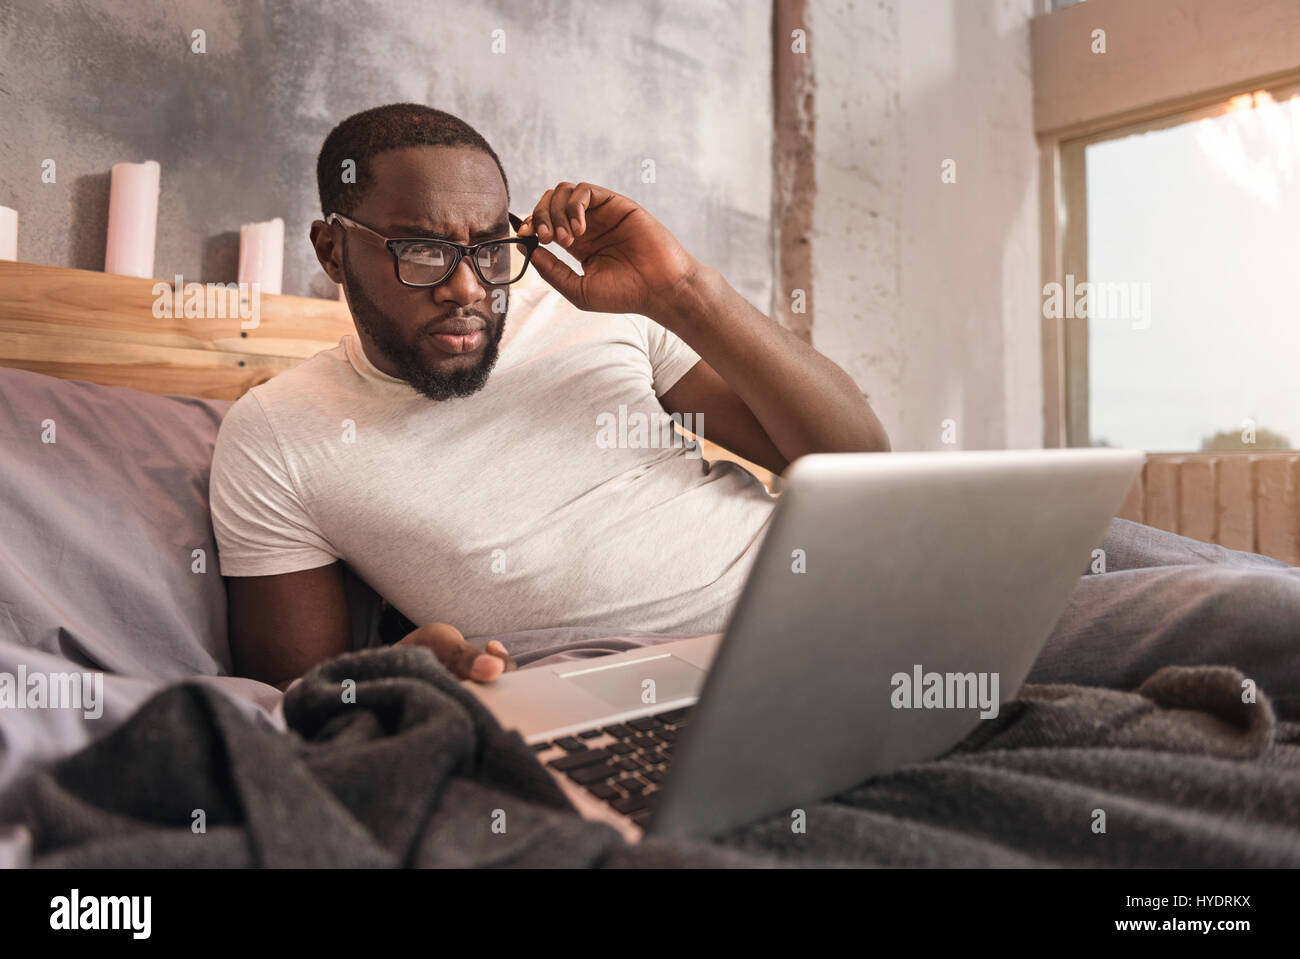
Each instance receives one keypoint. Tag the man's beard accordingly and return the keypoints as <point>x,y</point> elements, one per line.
<point>407,357</point>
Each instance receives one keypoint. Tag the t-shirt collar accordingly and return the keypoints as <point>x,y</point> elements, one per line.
<point>361,362</point>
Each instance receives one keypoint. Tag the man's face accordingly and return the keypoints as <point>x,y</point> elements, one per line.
<point>443,340</point>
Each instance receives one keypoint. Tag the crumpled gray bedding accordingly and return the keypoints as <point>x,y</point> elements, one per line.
<point>1179,772</point>
<point>33,738</point>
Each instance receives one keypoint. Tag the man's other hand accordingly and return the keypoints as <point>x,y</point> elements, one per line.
<point>463,659</point>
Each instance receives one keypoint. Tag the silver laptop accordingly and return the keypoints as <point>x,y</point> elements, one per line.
<point>896,601</point>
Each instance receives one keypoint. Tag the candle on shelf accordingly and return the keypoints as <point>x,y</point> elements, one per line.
<point>132,218</point>
<point>261,254</point>
<point>8,233</point>
<point>342,296</point>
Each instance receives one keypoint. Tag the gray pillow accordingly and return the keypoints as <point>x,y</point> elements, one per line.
<point>99,528</point>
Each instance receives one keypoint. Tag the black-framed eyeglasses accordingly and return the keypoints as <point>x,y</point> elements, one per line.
<point>419,261</point>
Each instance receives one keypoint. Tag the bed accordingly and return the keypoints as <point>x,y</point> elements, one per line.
<point>108,415</point>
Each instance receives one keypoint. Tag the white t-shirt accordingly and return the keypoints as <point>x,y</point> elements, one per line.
<point>501,511</point>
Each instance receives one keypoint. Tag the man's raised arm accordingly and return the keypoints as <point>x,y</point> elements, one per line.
<point>764,393</point>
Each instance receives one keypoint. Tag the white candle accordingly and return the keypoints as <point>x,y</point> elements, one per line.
<point>8,233</point>
<point>343,298</point>
<point>261,254</point>
<point>132,218</point>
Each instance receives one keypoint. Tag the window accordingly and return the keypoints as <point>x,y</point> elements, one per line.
<point>1181,255</point>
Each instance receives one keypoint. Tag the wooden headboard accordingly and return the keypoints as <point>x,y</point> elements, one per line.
<point>83,325</point>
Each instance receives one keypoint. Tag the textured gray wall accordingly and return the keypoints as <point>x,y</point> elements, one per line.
<point>585,91</point>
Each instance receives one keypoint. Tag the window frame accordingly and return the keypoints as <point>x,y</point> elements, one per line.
<point>1169,62</point>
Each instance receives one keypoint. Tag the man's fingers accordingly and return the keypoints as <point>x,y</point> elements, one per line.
<point>453,651</point>
<point>486,667</point>
<point>548,216</point>
<point>542,218</point>
<point>498,648</point>
<point>561,214</point>
<point>576,209</point>
<point>448,644</point>
<point>557,273</point>
<point>559,218</point>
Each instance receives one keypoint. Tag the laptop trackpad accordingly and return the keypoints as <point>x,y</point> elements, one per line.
<point>654,679</point>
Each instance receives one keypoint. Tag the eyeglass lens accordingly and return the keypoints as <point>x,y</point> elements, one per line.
<point>425,264</point>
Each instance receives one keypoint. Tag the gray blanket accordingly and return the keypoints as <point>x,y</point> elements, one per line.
<point>415,772</point>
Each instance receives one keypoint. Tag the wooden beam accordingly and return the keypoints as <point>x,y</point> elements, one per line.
<point>212,374</point>
<point>1160,58</point>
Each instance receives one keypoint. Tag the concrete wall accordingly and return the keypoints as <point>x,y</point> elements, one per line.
<point>928,292</point>
<point>585,91</point>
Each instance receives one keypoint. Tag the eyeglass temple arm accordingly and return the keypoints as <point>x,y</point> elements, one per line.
<point>532,241</point>
<point>345,221</point>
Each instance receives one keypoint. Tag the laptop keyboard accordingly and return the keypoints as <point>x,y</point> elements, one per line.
<point>621,764</point>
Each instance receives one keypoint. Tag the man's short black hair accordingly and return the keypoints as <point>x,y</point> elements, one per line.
<point>365,135</point>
